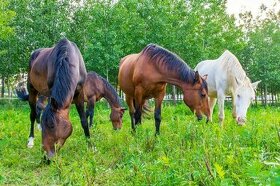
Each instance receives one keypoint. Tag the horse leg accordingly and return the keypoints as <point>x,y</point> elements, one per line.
<point>32,103</point>
<point>129,101</point>
<point>139,102</point>
<point>221,101</point>
<point>38,117</point>
<point>137,113</point>
<point>212,103</point>
<point>79,102</point>
<point>90,111</point>
<point>157,114</point>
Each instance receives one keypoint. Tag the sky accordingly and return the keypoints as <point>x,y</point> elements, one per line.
<point>237,6</point>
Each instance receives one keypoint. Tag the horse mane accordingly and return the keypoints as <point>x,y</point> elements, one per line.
<point>64,83</point>
<point>233,66</point>
<point>170,61</point>
<point>34,55</point>
<point>114,96</point>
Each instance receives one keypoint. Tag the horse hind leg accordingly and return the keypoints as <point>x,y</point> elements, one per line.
<point>32,103</point>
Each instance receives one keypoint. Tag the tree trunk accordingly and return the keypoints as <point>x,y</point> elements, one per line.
<point>265,95</point>
<point>9,87</point>
<point>174,94</point>
<point>3,88</point>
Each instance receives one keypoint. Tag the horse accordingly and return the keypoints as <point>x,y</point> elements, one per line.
<point>95,88</point>
<point>144,75</point>
<point>227,77</point>
<point>59,73</point>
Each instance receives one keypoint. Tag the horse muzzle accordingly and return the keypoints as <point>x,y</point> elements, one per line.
<point>241,121</point>
<point>199,118</point>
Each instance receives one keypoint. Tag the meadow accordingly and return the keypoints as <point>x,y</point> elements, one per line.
<point>187,152</point>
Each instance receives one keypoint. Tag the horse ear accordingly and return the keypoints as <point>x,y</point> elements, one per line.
<point>196,78</point>
<point>204,77</point>
<point>255,85</point>
<point>54,104</point>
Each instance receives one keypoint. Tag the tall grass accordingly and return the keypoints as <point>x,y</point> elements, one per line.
<point>187,152</point>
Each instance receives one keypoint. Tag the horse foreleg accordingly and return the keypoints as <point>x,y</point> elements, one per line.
<point>221,101</point>
<point>90,111</point>
<point>212,103</point>
<point>79,102</point>
<point>139,102</point>
<point>157,114</point>
<point>137,113</point>
<point>129,101</point>
<point>32,103</point>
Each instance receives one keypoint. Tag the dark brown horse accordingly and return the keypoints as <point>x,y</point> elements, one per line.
<point>58,73</point>
<point>95,88</point>
<point>144,75</point>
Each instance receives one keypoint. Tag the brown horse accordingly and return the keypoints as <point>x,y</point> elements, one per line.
<point>58,73</point>
<point>144,75</point>
<point>95,88</point>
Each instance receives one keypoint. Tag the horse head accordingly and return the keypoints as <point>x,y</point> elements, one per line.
<point>56,127</point>
<point>196,97</point>
<point>244,95</point>
<point>116,117</point>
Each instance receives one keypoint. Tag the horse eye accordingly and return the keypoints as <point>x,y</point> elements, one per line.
<point>238,96</point>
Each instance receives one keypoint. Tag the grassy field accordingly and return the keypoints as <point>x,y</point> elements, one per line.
<point>186,153</point>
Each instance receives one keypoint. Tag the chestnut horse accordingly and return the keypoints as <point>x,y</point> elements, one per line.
<point>95,88</point>
<point>144,75</point>
<point>58,73</point>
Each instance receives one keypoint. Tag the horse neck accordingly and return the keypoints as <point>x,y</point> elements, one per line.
<point>112,99</point>
<point>174,79</point>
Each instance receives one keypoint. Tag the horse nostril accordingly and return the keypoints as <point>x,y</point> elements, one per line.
<point>199,118</point>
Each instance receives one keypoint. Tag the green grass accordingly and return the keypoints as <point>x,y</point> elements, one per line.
<point>187,152</point>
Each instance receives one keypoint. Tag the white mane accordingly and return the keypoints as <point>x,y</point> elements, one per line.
<point>233,67</point>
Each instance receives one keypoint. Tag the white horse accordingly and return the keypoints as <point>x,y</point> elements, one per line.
<point>227,77</point>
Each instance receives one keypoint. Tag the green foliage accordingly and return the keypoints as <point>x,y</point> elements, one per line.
<point>6,17</point>
<point>235,155</point>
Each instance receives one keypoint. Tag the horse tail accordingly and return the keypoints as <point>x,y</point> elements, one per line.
<point>22,94</point>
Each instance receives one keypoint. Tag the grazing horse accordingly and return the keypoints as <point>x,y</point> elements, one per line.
<point>95,88</point>
<point>144,75</point>
<point>227,77</point>
<point>58,73</point>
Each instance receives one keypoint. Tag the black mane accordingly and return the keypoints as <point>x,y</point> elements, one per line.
<point>170,61</point>
<point>64,83</point>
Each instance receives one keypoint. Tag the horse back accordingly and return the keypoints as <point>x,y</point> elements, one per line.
<point>217,77</point>
<point>38,70</point>
<point>93,86</point>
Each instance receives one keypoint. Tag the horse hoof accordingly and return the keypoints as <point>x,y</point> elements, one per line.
<point>30,143</point>
<point>39,127</point>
